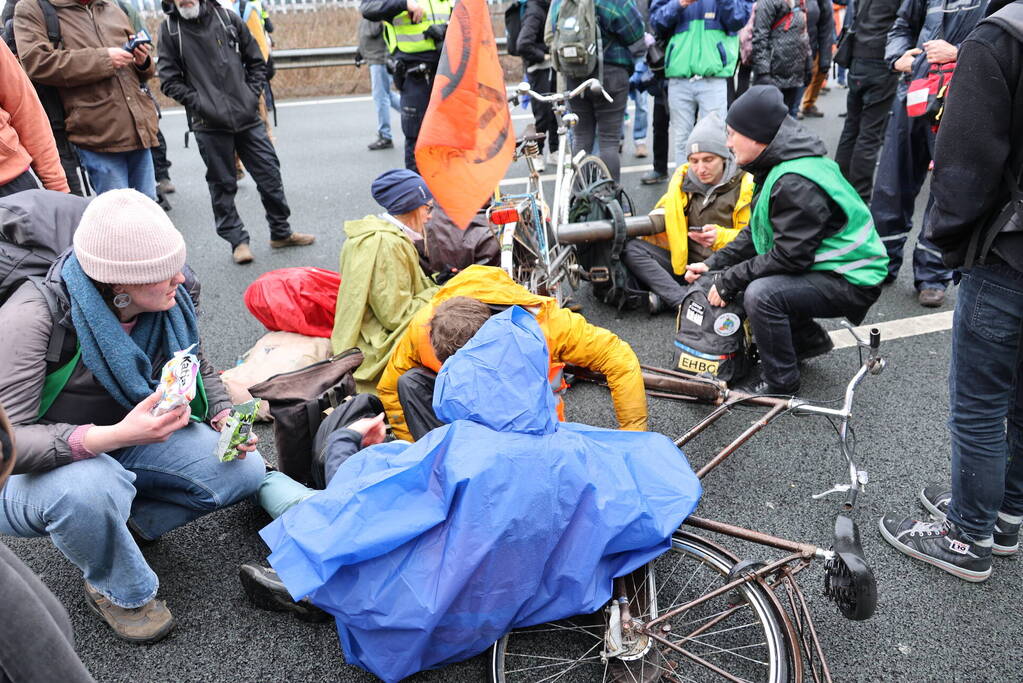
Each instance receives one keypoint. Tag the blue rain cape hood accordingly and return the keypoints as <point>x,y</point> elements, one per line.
<point>427,553</point>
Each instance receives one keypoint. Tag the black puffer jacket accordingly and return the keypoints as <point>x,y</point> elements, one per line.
<point>781,49</point>
<point>531,46</point>
<point>802,214</point>
<point>213,66</point>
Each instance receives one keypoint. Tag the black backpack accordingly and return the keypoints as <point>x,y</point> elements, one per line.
<point>49,96</point>
<point>711,339</point>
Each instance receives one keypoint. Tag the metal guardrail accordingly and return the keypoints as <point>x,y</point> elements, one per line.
<point>317,57</point>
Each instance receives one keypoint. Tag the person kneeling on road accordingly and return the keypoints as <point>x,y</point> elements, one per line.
<point>499,518</point>
<point>705,207</point>
<point>811,250</point>
<point>97,471</point>
<point>406,388</point>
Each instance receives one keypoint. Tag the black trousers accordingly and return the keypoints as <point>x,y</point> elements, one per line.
<point>871,92</point>
<point>781,309</point>
<point>661,121</point>
<point>25,181</point>
<point>600,119</point>
<point>36,641</point>
<point>161,164</point>
<point>415,394</point>
<point>544,81</point>
<point>415,98</point>
<point>69,162</point>
<point>651,265</point>
<point>257,153</point>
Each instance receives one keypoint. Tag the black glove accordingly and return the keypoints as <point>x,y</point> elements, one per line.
<point>436,32</point>
<point>358,59</point>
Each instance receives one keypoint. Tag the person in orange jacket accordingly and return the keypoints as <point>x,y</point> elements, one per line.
<point>408,377</point>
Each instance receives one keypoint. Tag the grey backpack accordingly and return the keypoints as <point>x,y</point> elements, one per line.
<point>573,36</point>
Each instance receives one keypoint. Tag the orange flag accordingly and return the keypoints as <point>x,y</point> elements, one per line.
<point>466,141</point>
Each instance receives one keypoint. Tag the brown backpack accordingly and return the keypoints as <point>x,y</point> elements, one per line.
<point>297,400</point>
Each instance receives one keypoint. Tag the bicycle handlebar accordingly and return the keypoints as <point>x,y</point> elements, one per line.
<point>591,83</point>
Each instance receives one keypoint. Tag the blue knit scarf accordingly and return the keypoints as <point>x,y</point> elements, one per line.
<point>123,363</point>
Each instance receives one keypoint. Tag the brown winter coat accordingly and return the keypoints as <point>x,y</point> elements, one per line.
<point>106,109</point>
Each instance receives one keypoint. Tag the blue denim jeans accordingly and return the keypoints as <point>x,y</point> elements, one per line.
<point>84,506</point>
<point>639,117</point>
<point>986,399</point>
<point>117,170</point>
<point>384,98</point>
<point>692,99</point>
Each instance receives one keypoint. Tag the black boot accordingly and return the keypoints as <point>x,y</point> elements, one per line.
<point>266,591</point>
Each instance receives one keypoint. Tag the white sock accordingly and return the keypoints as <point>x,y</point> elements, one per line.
<point>1010,519</point>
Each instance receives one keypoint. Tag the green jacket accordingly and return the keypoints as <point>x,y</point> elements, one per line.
<point>382,287</point>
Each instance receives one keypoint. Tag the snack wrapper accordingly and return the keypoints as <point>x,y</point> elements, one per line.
<point>236,430</point>
<point>178,381</point>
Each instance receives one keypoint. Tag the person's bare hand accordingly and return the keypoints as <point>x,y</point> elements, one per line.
<point>905,62</point>
<point>706,237</point>
<point>415,12</point>
<point>140,426</point>
<point>714,298</point>
<point>694,271</point>
<point>940,51</point>
<point>119,57</point>
<point>372,429</point>
<point>248,447</point>
<point>141,54</point>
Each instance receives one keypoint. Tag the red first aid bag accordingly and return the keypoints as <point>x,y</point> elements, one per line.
<point>300,300</point>
<point>926,95</point>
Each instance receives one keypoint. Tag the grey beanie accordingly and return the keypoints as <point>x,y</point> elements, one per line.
<point>125,238</point>
<point>708,136</point>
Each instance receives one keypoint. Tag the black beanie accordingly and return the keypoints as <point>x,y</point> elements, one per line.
<point>758,113</point>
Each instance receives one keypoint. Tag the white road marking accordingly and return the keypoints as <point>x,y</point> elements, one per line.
<point>896,329</point>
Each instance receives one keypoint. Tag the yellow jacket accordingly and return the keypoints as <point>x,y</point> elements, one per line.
<point>673,205</point>
<point>570,340</point>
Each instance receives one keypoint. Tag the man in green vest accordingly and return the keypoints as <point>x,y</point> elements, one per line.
<point>811,250</point>
<point>414,31</point>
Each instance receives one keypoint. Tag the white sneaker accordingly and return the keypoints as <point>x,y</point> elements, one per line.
<point>540,163</point>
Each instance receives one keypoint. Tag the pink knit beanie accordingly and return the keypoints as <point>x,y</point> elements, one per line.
<point>125,238</point>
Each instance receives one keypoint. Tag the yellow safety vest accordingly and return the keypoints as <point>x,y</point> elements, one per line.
<point>402,35</point>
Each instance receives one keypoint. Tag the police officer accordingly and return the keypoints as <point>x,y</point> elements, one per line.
<point>413,31</point>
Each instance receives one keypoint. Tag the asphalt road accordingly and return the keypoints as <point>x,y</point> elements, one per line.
<point>928,626</point>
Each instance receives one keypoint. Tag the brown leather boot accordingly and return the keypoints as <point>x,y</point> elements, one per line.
<point>295,239</point>
<point>146,624</point>
<point>242,253</point>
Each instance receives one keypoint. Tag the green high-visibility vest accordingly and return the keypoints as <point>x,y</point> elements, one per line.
<point>403,35</point>
<point>856,251</point>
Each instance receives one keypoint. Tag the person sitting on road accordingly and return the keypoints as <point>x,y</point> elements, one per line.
<point>811,250</point>
<point>427,553</point>
<point>705,207</point>
<point>406,388</point>
<point>98,472</point>
<point>382,283</point>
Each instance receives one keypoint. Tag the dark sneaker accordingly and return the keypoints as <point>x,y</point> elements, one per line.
<point>935,498</point>
<point>931,298</point>
<point>816,344</point>
<point>940,544</point>
<point>813,113</point>
<point>380,143</point>
<point>146,624</point>
<point>266,591</point>
<point>654,304</point>
<point>653,178</point>
<point>755,384</point>
<point>295,239</point>
<point>165,186</point>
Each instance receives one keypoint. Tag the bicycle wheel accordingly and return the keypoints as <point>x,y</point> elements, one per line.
<point>739,632</point>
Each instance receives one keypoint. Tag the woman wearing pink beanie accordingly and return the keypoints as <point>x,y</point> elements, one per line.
<point>97,471</point>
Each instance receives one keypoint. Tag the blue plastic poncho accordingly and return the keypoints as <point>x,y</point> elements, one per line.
<point>427,553</point>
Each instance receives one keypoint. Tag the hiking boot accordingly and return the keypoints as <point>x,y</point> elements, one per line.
<point>812,112</point>
<point>817,344</point>
<point>641,150</point>
<point>295,239</point>
<point>935,498</point>
<point>653,178</point>
<point>941,544</point>
<point>654,304</point>
<point>380,143</point>
<point>146,624</point>
<point>242,253</point>
<point>931,298</point>
<point>754,383</point>
<point>266,591</point>
<point>165,186</point>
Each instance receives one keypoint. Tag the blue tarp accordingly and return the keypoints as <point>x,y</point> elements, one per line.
<point>427,553</point>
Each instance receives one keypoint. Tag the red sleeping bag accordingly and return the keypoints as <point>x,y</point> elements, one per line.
<point>300,300</point>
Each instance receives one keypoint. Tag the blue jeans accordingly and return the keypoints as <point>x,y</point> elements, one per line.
<point>986,399</point>
<point>691,99</point>
<point>117,170</point>
<point>639,119</point>
<point>384,98</point>
<point>84,506</point>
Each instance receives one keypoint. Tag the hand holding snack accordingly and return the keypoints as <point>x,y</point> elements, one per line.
<point>236,437</point>
<point>178,381</point>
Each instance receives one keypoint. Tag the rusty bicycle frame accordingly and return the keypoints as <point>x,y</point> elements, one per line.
<point>777,578</point>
